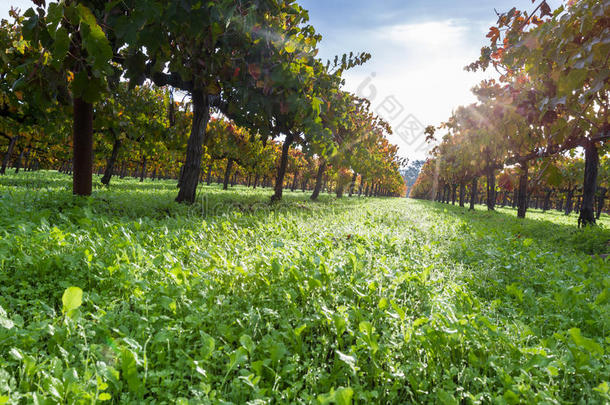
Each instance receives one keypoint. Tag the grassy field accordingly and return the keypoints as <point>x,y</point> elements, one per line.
<point>341,301</point>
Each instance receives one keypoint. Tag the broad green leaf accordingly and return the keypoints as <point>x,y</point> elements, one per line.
<point>247,342</point>
<point>603,296</point>
<point>603,388</point>
<point>71,299</point>
<point>61,44</point>
<point>366,328</point>
<point>207,346</point>
<point>572,81</point>
<point>94,39</point>
<point>343,396</point>
<point>216,31</point>
<point>55,13</point>
<point>129,370</point>
<point>511,397</point>
<point>238,357</point>
<point>585,343</point>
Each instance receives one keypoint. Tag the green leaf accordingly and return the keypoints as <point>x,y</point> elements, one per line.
<point>299,330</point>
<point>343,396</point>
<point>129,370</point>
<point>446,398</point>
<point>585,343</point>
<point>603,388</point>
<point>90,89</point>
<point>247,342</point>
<point>420,321</point>
<point>94,40</point>
<point>572,81</point>
<point>71,299</point>
<point>216,31</point>
<point>80,83</point>
<point>238,357</point>
<point>603,297</point>
<point>61,44</point>
<point>207,346</point>
<point>55,13</point>
<point>553,176</point>
<point>316,103</point>
<point>366,328</point>
<point>511,397</point>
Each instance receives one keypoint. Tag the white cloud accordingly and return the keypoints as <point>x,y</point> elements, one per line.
<point>426,36</point>
<point>421,65</point>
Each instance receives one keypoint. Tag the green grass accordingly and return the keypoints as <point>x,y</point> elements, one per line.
<point>340,301</point>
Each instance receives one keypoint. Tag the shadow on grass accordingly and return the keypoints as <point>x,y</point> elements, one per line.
<point>48,194</point>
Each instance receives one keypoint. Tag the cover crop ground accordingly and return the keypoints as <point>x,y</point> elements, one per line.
<point>341,301</point>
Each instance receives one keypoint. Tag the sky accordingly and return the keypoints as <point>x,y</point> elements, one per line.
<point>419,49</point>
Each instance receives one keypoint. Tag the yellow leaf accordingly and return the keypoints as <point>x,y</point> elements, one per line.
<point>290,47</point>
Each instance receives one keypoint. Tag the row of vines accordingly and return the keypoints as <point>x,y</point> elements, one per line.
<point>227,91</point>
<point>538,135</point>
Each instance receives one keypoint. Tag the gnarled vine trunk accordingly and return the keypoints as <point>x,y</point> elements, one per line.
<point>319,175</point>
<point>352,185</point>
<point>587,214</point>
<point>82,148</point>
<point>281,171</point>
<point>339,190</point>
<point>546,205</point>
<point>293,186</point>
<point>491,190</point>
<point>462,193</point>
<point>19,160</point>
<point>143,172</point>
<point>225,183</point>
<point>522,195</point>
<point>473,193</point>
<point>111,161</point>
<point>600,202</point>
<point>189,178</point>
<point>9,153</point>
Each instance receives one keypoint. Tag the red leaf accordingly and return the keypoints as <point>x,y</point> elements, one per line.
<point>493,32</point>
